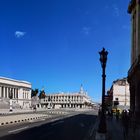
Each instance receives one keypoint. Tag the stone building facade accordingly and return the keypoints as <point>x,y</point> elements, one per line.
<point>67,100</point>
<point>20,91</point>
<point>120,93</point>
<point>134,71</point>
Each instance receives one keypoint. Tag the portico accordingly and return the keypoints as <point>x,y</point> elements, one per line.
<point>20,90</point>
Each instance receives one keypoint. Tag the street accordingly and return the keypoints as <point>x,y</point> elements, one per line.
<point>72,127</point>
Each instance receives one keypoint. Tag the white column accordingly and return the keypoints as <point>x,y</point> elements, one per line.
<point>7,92</point>
<point>58,98</point>
<point>4,92</point>
<point>13,93</point>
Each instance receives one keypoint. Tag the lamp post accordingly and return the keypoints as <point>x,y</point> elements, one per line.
<point>11,97</point>
<point>103,60</point>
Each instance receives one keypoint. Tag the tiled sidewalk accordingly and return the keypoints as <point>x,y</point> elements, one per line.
<point>114,129</point>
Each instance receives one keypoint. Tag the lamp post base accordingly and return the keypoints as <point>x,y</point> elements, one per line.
<point>102,125</point>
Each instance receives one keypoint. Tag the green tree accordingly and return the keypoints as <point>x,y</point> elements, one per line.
<point>42,94</point>
<point>34,92</point>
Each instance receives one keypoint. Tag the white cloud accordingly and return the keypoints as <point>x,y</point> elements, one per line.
<point>116,10</point>
<point>19,34</point>
<point>86,30</point>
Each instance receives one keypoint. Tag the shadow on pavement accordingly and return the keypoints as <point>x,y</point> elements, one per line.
<point>71,128</point>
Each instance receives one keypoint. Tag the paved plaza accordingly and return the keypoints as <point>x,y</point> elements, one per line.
<point>114,127</point>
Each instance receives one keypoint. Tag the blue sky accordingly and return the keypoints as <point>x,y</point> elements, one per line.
<point>55,43</point>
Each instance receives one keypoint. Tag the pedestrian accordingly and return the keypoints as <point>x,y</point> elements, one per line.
<point>99,112</point>
<point>125,122</point>
<point>117,115</point>
<point>129,114</point>
<point>111,114</point>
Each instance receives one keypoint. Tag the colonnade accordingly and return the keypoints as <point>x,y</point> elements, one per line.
<point>65,101</point>
<point>6,90</point>
<point>64,98</point>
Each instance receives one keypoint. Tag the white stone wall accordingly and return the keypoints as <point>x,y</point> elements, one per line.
<point>21,92</point>
<point>75,100</point>
<point>122,93</point>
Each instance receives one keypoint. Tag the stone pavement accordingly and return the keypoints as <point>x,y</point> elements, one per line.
<point>23,115</point>
<point>114,130</point>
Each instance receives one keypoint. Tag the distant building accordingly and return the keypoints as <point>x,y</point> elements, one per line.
<point>108,99</point>
<point>67,100</point>
<point>20,90</point>
<point>120,94</point>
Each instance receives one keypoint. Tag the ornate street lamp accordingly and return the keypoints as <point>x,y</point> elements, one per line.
<point>103,60</point>
<point>11,97</point>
